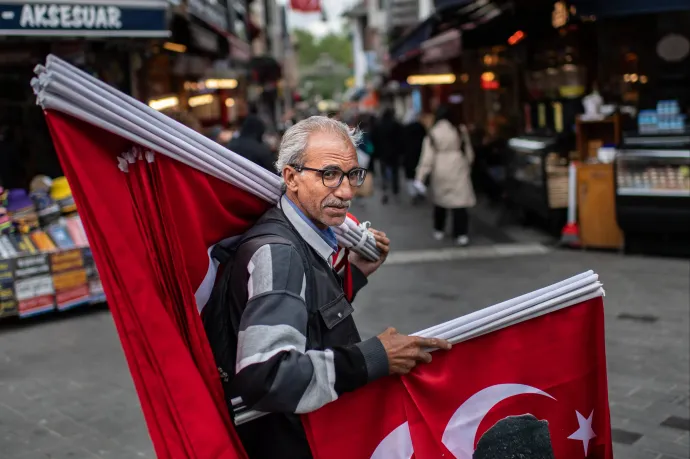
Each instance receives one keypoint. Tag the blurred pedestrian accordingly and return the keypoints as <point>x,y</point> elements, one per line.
<point>413,137</point>
<point>447,157</point>
<point>250,144</point>
<point>388,142</point>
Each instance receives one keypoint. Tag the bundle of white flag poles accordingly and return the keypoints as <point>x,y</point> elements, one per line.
<point>566,293</point>
<point>62,87</point>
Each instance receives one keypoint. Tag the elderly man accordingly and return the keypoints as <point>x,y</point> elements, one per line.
<point>297,345</point>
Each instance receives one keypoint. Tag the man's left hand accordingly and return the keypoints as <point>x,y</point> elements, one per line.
<point>369,267</point>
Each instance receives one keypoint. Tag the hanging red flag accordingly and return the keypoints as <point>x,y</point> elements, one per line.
<point>306,6</point>
<point>150,229</point>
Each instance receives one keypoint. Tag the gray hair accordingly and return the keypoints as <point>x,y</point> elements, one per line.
<point>295,139</point>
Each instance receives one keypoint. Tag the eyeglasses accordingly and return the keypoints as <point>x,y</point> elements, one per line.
<point>332,177</point>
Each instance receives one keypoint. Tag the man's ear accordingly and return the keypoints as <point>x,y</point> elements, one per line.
<point>290,178</point>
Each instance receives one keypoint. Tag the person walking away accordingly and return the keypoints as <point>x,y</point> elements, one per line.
<point>447,157</point>
<point>278,321</point>
<point>413,138</point>
<point>249,143</point>
<point>388,147</point>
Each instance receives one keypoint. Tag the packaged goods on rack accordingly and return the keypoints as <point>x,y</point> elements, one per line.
<point>95,285</point>
<point>45,261</point>
<point>33,285</point>
<point>69,279</point>
<point>8,303</point>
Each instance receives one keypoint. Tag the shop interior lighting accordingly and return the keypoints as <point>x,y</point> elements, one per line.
<point>193,86</point>
<point>526,144</point>
<point>634,77</point>
<point>516,38</point>
<point>229,102</point>
<point>174,47</point>
<point>165,103</point>
<point>226,83</point>
<point>488,76</point>
<point>465,77</point>
<point>569,68</point>
<point>444,78</point>
<point>643,79</point>
<point>198,101</point>
<point>490,60</point>
<point>626,78</point>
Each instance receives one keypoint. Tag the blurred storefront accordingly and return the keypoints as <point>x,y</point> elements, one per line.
<point>527,69</point>
<point>202,69</point>
<point>109,39</point>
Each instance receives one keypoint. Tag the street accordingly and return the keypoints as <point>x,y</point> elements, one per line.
<point>66,392</point>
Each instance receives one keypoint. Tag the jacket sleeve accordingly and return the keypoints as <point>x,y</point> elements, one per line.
<point>274,372</point>
<point>426,162</point>
<point>467,142</point>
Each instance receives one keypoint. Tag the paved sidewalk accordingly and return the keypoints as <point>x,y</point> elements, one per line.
<point>65,390</point>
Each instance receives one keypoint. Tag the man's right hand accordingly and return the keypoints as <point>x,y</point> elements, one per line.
<point>404,352</point>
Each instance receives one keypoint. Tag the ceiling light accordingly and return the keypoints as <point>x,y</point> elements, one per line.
<point>198,101</point>
<point>444,78</point>
<point>226,83</point>
<point>165,103</point>
<point>174,47</point>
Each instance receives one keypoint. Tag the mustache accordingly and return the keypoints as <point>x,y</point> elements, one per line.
<point>337,203</point>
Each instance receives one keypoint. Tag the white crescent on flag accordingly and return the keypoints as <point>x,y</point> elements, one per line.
<point>461,430</point>
<point>396,445</point>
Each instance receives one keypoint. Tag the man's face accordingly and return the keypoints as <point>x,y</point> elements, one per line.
<point>324,206</point>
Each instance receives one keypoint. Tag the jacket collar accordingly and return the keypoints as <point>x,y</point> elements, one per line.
<point>306,229</point>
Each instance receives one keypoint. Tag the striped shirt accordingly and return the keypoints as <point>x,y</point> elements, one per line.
<point>274,371</point>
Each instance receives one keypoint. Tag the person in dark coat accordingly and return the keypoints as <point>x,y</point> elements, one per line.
<point>413,137</point>
<point>250,145</point>
<point>388,144</point>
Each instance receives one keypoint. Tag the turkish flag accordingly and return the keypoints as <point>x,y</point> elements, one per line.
<point>368,423</point>
<point>306,6</point>
<point>150,227</point>
<point>535,389</point>
<point>552,367</point>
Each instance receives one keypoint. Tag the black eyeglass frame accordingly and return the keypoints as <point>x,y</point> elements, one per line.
<point>343,173</point>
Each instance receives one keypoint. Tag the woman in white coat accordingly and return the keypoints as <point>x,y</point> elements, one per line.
<point>447,157</point>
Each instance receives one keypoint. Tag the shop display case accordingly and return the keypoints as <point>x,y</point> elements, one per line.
<point>538,178</point>
<point>653,193</point>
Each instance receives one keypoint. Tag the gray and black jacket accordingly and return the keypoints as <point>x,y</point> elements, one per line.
<point>287,327</point>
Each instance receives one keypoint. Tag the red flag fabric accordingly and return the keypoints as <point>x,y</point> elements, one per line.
<point>366,417</point>
<point>552,367</point>
<point>150,229</point>
<point>306,6</point>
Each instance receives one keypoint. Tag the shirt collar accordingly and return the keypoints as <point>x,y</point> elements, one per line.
<point>323,241</point>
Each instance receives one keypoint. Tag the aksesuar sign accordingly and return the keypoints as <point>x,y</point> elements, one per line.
<point>81,19</point>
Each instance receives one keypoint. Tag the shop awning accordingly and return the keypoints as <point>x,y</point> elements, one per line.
<point>603,8</point>
<point>87,18</point>
<point>409,45</point>
<point>461,14</point>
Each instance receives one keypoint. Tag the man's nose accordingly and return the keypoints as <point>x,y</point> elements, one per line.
<point>345,191</point>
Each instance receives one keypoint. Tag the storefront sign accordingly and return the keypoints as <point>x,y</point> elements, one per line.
<point>443,47</point>
<point>83,19</point>
<point>204,39</point>
<point>611,8</point>
<point>210,12</point>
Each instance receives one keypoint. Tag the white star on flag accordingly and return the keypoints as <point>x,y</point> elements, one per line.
<point>584,433</point>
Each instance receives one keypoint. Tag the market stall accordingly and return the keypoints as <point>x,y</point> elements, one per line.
<point>45,260</point>
<point>653,192</point>
<point>538,177</point>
